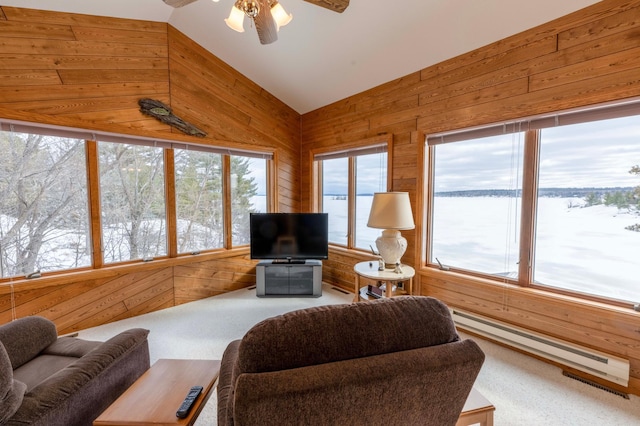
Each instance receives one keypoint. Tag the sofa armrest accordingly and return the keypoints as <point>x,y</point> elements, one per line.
<point>26,337</point>
<point>11,390</point>
<point>77,394</point>
<point>226,383</point>
<point>428,385</point>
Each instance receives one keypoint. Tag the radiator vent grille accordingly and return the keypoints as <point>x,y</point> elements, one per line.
<point>595,385</point>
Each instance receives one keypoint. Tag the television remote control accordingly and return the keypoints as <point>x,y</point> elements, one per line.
<point>188,402</point>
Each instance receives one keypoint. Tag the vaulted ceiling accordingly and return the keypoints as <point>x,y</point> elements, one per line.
<point>323,56</point>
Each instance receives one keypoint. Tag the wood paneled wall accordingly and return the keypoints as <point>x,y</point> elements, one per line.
<point>587,57</point>
<point>89,72</point>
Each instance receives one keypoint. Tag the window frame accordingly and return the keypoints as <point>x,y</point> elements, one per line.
<point>531,127</point>
<point>98,194</point>
<point>351,151</point>
<point>43,164</point>
<point>525,219</point>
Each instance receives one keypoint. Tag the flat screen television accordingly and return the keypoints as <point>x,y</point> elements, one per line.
<point>289,237</point>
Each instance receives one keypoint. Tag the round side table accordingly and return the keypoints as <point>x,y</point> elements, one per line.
<point>389,277</point>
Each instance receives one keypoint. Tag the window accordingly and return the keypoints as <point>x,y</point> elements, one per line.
<point>574,177</point>
<point>348,180</point>
<point>133,202</point>
<point>588,217</point>
<point>53,180</point>
<point>43,204</point>
<point>371,176</point>
<point>199,200</point>
<point>335,185</point>
<point>476,204</point>
<point>248,194</point>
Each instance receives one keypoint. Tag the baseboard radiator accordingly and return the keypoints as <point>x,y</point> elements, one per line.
<point>605,366</point>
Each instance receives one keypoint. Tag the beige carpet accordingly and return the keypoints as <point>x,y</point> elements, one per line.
<point>524,390</point>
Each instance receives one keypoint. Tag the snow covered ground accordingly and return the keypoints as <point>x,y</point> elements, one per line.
<point>585,249</point>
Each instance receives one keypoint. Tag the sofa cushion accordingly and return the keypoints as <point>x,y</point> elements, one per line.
<point>11,390</point>
<point>71,346</point>
<point>339,332</point>
<point>26,337</point>
<point>40,368</point>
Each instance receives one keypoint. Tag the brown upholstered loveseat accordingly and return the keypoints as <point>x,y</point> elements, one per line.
<point>51,381</point>
<point>392,361</point>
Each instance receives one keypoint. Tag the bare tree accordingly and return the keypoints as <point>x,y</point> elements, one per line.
<point>199,200</point>
<point>133,206</point>
<point>42,199</point>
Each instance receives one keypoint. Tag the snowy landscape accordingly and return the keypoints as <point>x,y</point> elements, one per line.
<point>585,249</point>
<point>580,248</point>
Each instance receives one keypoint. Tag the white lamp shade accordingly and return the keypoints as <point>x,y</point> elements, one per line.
<point>279,15</point>
<point>391,210</point>
<point>235,21</point>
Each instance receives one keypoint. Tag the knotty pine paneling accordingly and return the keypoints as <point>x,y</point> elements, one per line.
<point>622,61</point>
<point>59,64</point>
<point>89,72</point>
<point>587,57</point>
<point>43,17</point>
<point>240,112</point>
<point>82,303</point>
<point>252,106</point>
<point>198,280</point>
<point>29,78</point>
<point>12,95</point>
<point>338,269</point>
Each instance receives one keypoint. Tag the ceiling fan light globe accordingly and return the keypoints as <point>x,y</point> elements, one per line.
<point>279,15</point>
<point>235,21</point>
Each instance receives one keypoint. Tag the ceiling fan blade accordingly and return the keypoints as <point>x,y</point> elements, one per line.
<point>265,25</point>
<point>335,5</point>
<point>178,3</point>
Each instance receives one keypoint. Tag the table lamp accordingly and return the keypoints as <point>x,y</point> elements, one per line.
<point>391,211</point>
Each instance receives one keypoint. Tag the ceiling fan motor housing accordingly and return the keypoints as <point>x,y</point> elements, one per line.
<point>250,8</point>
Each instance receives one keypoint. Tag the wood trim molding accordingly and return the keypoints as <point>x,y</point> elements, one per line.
<point>93,193</point>
<point>528,208</point>
<point>272,183</point>
<point>383,137</point>
<point>170,202</point>
<point>421,207</point>
<point>226,194</point>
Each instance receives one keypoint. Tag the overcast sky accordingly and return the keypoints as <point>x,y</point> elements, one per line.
<point>371,174</point>
<point>596,154</point>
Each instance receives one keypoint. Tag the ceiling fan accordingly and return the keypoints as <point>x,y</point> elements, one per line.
<point>268,15</point>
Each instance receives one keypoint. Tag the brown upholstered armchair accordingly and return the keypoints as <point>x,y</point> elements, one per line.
<point>46,380</point>
<point>392,361</point>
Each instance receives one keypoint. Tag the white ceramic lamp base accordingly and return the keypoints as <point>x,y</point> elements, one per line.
<point>391,246</point>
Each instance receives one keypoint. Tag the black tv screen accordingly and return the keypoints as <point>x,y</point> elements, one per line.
<point>289,236</point>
